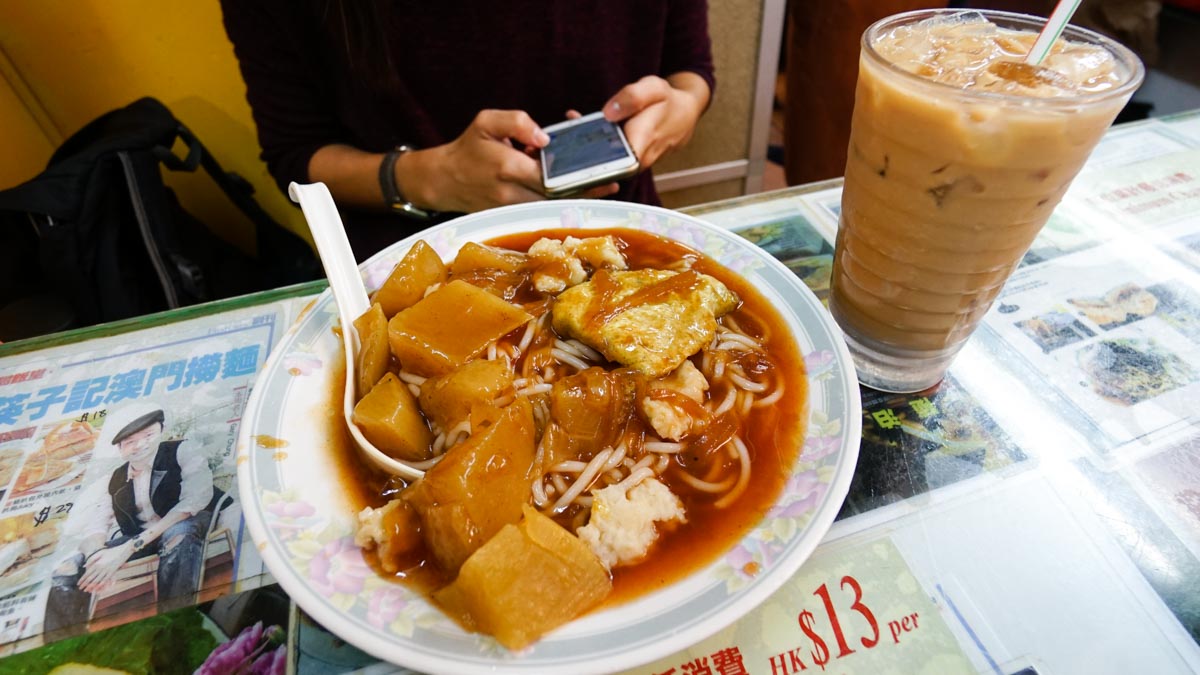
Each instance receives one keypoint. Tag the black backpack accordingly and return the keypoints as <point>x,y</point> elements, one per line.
<point>98,237</point>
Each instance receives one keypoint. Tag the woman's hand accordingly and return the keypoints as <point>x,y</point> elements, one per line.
<point>659,114</point>
<point>490,164</point>
<point>486,166</point>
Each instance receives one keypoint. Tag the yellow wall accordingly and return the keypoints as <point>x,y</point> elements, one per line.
<point>77,59</point>
<point>27,144</point>
<point>65,62</point>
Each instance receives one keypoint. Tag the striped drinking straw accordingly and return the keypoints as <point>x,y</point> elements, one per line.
<point>1054,27</point>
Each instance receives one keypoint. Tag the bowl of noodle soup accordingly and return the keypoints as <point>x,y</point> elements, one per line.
<point>760,489</point>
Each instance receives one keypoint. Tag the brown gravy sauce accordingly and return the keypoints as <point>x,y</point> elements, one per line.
<point>773,435</point>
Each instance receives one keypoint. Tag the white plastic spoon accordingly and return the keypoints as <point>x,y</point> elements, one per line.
<point>351,297</point>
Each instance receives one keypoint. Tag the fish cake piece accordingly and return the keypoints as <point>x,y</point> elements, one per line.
<point>649,320</point>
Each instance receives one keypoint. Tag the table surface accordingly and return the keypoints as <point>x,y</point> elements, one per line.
<point>1038,512</point>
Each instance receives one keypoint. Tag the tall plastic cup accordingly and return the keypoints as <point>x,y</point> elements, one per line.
<point>950,176</point>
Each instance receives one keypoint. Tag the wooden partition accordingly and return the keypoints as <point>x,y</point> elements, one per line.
<point>727,156</point>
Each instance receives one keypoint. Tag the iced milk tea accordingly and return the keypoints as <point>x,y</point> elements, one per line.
<point>958,153</point>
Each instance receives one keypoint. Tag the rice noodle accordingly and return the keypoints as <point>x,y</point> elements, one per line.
<point>431,288</point>
<point>491,351</point>
<point>414,390</point>
<point>463,427</point>
<point>743,476</point>
<point>660,466</point>
<point>559,482</point>
<point>719,368</point>
<point>411,378</point>
<point>747,384</point>
<point>632,481</point>
<point>731,324</point>
<point>569,466</point>
<point>746,399</point>
<point>446,440</point>
<point>730,337</point>
<point>727,402</point>
<point>527,336</point>
<point>771,398</point>
<point>663,447</point>
<point>427,464</point>
<point>539,453</point>
<point>705,486</point>
<point>585,351</point>
<point>583,481</point>
<point>541,413</point>
<point>539,494</point>
<point>532,389</point>
<point>569,359</point>
<point>614,460</point>
<point>569,347</point>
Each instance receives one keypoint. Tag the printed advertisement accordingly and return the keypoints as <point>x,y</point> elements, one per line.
<point>118,496</point>
<point>1063,234</point>
<point>827,203</point>
<point>1186,126</point>
<point>849,610</point>
<point>794,241</point>
<point>915,443</point>
<point>239,633</point>
<point>1117,343</point>
<point>1171,482</point>
<point>1132,144</point>
<point>1153,513</point>
<point>1151,195</point>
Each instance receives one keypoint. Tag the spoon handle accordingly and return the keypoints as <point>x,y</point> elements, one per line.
<point>351,297</point>
<point>334,249</point>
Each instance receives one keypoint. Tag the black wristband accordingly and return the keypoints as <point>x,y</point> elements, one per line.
<point>391,194</point>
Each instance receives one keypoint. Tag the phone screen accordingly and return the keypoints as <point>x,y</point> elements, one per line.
<point>582,145</point>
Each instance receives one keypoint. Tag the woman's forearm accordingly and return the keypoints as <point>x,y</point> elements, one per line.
<point>693,84</point>
<point>484,167</point>
<point>352,175</point>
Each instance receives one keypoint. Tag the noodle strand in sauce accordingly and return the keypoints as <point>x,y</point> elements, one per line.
<point>729,467</point>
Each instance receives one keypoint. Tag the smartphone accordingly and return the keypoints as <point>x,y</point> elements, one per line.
<point>585,152</point>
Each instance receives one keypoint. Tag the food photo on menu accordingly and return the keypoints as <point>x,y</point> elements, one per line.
<point>1119,343</point>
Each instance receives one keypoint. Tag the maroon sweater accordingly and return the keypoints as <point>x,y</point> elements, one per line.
<point>448,60</point>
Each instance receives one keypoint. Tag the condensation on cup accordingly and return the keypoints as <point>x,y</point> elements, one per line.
<point>959,152</point>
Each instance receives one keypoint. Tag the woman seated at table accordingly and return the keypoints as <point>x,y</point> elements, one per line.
<point>336,86</point>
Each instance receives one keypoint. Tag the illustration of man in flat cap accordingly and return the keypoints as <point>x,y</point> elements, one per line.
<point>160,502</point>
